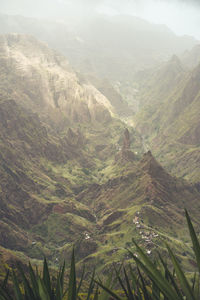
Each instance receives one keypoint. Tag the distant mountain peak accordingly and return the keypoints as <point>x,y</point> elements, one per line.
<point>147,158</point>
<point>175,59</point>
<point>174,66</point>
<point>125,154</point>
<point>150,165</point>
<point>126,140</point>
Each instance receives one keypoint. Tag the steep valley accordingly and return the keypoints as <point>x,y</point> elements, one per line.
<point>56,139</point>
<point>73,173</point>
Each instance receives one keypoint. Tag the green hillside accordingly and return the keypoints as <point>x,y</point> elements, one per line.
<point>73,173</point>
<point>170,124</point>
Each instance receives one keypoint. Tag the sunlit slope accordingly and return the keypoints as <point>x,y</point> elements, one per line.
<point>29,190</point>
<point>42,80</point>
<point>171,123</point>
<point>56,134</point>
<point>145,203</point>
<point>71,172</point>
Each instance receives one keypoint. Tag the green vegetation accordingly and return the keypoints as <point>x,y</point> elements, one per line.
<point>77,176</point>
<point>147,280</point>
<point>168,118</point>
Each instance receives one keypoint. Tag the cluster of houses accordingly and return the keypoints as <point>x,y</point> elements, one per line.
<point>87,236</point>
<point>147,236</point>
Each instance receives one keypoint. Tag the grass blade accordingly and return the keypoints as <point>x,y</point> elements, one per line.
<point>196,288</point>
<point>96,295</point>
<point>81,280</point>
<point>136,285</point>
<point>59,292</point>
<point>109,284</point>
<point>46,277</point>
<point>154,274</point>
<point>27,288</point>
<point>109,291</point>
<point>17,290</point>
<point>34,281</point>
<point>130,293</point>
<point>5,280</point>
<point>62,277</point>
<point>182,279</point>
<point>43,293</point>
<point>195,242</point>
<point>5,295</point>
<point>72,279</point>
<point>121,282</point>
<point>194,281</point>
<point>91,286</point>
<point>144,289</point>
<point>169,275</point>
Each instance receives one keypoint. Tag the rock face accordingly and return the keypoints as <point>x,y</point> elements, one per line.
<point>120,106</point>
<point>46,83</point>
<point>30,190</point>
<point>126,140</point>
<point>50,128</point>
<point>76,138</point>
<point>125,154</point>
<point>59,181</point>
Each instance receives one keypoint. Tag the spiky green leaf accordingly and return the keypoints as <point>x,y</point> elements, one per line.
<point>182,279</point>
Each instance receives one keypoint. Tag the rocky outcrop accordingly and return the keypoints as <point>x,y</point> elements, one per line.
<point>59,183</point>
<point>76,138</point>
<point>126,140</point>
<point>45,83</point>
<point>125,154</point>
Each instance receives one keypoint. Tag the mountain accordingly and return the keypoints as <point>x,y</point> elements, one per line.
<point>73,173</point>
<point>192,58</point>
<point>56,134</point>
<point>171,123</point>
<point>127,44</point>
<point>156,84</point>
<point>112,47</point>
<point>120,105</point>
<point>45,76</point>
<point>143,202</point>
<point>108,50</point>
<point>44,210</point>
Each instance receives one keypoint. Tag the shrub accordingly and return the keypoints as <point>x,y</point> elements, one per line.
<point>144,281</point>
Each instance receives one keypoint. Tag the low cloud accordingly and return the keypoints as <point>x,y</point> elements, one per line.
<point>182,16</point>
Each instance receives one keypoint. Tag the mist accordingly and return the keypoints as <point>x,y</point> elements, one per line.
<point>181,16</point>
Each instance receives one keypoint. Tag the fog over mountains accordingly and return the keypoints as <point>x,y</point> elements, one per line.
<point>99,129</point>
<point>182,16</point>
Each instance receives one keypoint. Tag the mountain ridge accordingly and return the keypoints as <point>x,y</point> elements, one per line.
<point>75,178</point>
<point>171,125</point>
<point>79,47</point>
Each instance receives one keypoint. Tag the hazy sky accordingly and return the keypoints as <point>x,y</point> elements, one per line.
<point>182,16</point>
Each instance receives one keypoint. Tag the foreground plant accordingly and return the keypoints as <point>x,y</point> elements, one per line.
<point>155,283</point>
<point>35,286</point>
<point>145,282</point>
